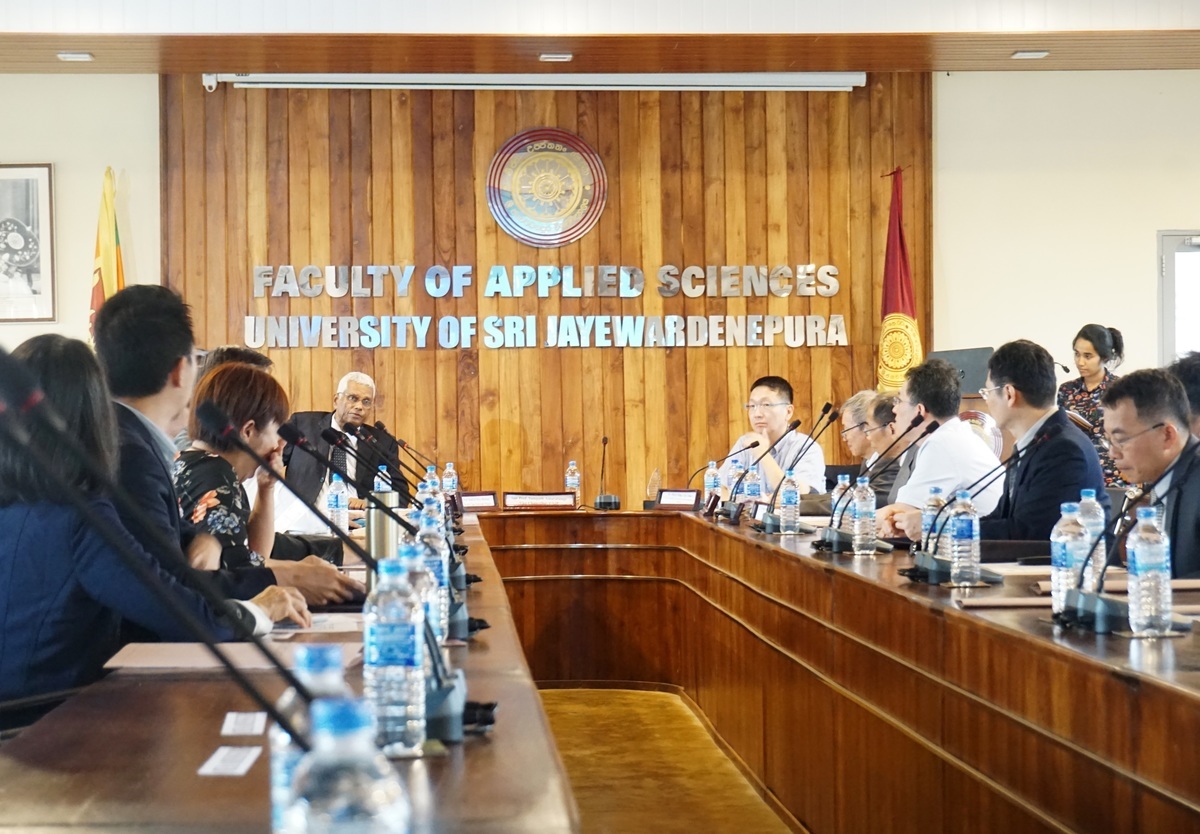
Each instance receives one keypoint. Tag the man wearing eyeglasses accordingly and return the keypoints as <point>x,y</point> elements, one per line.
<point>856,434</point>
<point>1055,459</point>
<point>353,407</point>
<point>952,457</point>
<point>769,411</point>
<point>1146,428</point>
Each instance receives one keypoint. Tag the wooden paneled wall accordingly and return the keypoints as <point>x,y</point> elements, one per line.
<point>254,177</point>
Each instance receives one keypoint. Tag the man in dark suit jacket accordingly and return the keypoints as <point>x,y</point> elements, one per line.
<point>1056,459</point>
<point>1146,421</point>
<point>353,405</point>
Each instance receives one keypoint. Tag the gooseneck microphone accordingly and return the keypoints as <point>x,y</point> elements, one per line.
<point>420,457</point>
<point>21,398</point>
<point>804,449</point>
<point>605,501</point>
<point>336,438</point>
<point>731,509</point>
<point>362,434</point>
<point>369,444</point>
<point>753,444</point>
<point>885,463</point>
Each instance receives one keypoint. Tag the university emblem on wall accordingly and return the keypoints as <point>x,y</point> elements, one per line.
<point>899,350</point>
<point>546,187</point>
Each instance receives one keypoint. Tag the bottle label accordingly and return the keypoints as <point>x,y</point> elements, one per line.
<point>864,509</point>
<point>965,527</point>
<point>1147,558</point>
<point>437,569</point>
<point>1059,557</point>
<point>790,497</point>
<point>712,483</point>
<point>753,489</point>
<point>391,644</point>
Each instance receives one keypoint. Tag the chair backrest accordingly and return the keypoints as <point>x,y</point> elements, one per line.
<point>832,471</point>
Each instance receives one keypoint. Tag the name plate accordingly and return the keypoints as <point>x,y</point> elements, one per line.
<point>760,510</point>
<point>539,501</point>
<point>474,502</point>
<point>678,499</point>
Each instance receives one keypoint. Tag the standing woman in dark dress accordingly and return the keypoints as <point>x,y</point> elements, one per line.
<point>1098,349</point>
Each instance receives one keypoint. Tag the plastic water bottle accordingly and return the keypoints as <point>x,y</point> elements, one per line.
<point>712,479</point>
<point>422,492</point>
<point>1069,545</point>
<point>933,506</point>
<point>1149,555</point>
<point>319,667</point>
<point>963,529</point>
<point>449,479</point>
<point>573,482</point>
<point>337,503</point>
<point>412,556</point>
<point>383,482</point>
<point>1092,516</point>
<point>432,540</point>
<point>789,504</point>
<point>752,485</point>
<point>840,499</point>
<point>394,660</point>
<point>434,485</point>
<point>735,473</point>
<point>345,785</point>
<point>864,517</point>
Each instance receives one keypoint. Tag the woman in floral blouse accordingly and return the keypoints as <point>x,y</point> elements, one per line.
<point>209,475</point>
<point>1097,350</point>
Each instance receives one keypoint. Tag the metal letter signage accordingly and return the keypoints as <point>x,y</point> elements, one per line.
<point>546,187</point>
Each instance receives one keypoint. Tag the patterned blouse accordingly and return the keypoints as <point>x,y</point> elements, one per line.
<point>1073,395</point>
<point>212,498</point>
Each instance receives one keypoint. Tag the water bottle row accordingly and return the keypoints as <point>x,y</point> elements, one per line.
<point>1079,533</point>
<point>337,500</point>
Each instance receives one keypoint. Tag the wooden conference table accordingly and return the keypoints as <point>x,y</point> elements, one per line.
<point>858,701</point>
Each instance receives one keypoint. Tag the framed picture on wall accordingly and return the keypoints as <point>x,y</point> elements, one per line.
<point>26,243</point>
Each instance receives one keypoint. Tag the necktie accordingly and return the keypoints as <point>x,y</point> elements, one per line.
<point>338,457</point>
<point>1134,498</point>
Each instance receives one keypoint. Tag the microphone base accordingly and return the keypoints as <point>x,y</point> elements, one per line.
<point>931,569</point>
<point>444,709</point>
<point>730,512</point>
<point>608,502</point>
<point>1103,613</point>
<point>839,541</point>
<point>771,526</point>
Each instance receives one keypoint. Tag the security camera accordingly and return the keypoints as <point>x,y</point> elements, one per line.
<point>210,81</point>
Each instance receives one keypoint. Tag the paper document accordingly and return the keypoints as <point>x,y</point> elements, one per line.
<point>230,761</point>
<point>161,656</point>
<point>1003,602</point>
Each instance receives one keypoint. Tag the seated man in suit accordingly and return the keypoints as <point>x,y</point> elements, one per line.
<point>856,414</point>
<point>1146,429</point>
<point>1020,393</point>
<point>352,406</point>
<point>1187,370</point>
<point>952,457</point>
<point>144,342</point>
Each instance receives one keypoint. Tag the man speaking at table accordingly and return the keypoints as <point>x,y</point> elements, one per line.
<point>353,406</point>
<point>769,411</point>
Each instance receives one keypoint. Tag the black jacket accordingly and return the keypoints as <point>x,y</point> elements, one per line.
<point>144,475</point>
<point>1045,477</point>
<point>1183,513</point>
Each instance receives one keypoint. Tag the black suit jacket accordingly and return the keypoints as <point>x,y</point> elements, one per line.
<point>1183,514</point>
<point>144,475</point>
<point>1045,477</point>
<point>307,474</point>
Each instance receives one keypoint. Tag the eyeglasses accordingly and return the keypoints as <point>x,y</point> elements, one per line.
<point>877,428</point>
<point>852,428</point>
<point>1108,442</point>
<point>354,399</point>
<point>761,406</point>
<point>983,392</point>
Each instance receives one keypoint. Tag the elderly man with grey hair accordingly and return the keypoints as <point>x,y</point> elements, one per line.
<point>353,407</point>
<point>856,422</point>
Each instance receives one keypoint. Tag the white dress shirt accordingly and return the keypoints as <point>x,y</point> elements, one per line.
<point>953,457</point>
<point>810,469</point>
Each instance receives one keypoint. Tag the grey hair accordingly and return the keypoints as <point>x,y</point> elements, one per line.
<point>356,376</point>
<point>859,406</point>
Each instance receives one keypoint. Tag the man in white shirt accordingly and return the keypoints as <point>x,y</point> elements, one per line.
<point>770,410</point>
<point>953,457</point>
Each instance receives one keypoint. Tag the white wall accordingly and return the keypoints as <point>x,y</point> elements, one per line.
<point>81,124</point>
<point>1048,192</point>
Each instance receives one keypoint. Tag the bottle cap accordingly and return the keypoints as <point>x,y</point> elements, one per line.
<point>390,567</point>
<point>1146,513</point>
<point>935,490</point>
<point>789,472</point>
<point>315,658</point>
<point>1070,507</point>
<point>570,463</point>
<point>962,495</point>
<point>337,479</point>
<point>863,480</point>
<point>1085,494</point>
<point>339,716</point>
<point>844,478</point>
<point>712,464</point>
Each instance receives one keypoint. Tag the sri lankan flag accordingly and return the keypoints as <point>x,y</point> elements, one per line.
<point>108,275</point>
<point>899,339</point>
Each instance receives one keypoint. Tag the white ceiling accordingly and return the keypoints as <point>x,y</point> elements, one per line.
<point>593,16</point>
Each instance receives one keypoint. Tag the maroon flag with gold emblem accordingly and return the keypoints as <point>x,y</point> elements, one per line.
<point>899,339</point>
